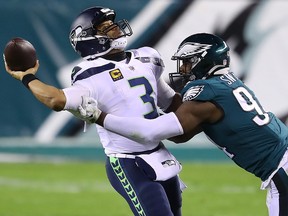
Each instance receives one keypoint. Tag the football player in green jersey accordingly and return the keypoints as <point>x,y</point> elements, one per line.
<point>219,104</point>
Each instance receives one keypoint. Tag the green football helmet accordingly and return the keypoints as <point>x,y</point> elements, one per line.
<point>208,53</point>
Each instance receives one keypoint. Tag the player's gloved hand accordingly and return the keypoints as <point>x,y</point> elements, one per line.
<point>89,110</point>
<point>20,74</point>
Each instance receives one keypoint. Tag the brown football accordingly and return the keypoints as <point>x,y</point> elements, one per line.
<point>20,54</point>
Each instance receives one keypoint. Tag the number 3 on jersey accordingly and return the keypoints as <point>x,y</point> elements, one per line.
<point>146,98</point>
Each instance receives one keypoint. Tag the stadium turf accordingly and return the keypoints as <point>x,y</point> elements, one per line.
<point>82,189</point>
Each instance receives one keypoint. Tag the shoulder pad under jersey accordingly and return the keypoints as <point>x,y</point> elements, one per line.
<point>147,55</point>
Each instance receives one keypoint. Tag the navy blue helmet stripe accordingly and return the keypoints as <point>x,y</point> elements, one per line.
<point>92,71</point>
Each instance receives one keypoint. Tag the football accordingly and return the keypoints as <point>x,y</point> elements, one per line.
<point>20,54</point>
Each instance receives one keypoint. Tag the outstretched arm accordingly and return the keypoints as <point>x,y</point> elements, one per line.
<point>144,130</point>
<point>178,127</point>
<point>138,129</point>
<point>50,96</point>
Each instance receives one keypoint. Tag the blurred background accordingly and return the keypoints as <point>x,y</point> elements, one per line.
<point>256,32</point>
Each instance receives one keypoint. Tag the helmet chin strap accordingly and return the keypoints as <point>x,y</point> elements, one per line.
<point>119,43</point>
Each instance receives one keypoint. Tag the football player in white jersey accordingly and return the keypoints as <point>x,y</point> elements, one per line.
<point>125,83</point>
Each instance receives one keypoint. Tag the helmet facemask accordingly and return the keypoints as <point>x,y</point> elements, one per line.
<point>119,42</point>
<point>122,25</point>
<point>179,79</point>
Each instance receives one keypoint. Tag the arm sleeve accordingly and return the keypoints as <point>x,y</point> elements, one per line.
<point>145,130</point>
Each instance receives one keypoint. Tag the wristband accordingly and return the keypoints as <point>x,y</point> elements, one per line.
<point>27,79</point>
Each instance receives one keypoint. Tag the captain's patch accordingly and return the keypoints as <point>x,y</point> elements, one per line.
<point>192,92</point>
<point>116,74</point>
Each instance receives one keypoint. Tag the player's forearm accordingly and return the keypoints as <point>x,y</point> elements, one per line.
<point>144,130</point>
<point>50,96</point>
<point>186,136</point>
<point>176,102</point>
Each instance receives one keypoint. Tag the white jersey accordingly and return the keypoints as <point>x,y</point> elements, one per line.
<point>132,88</point>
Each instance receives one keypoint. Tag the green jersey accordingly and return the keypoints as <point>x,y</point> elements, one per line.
<point>254,139</point>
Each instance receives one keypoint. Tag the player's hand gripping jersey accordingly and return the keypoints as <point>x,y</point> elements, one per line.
<point>127,88</point>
